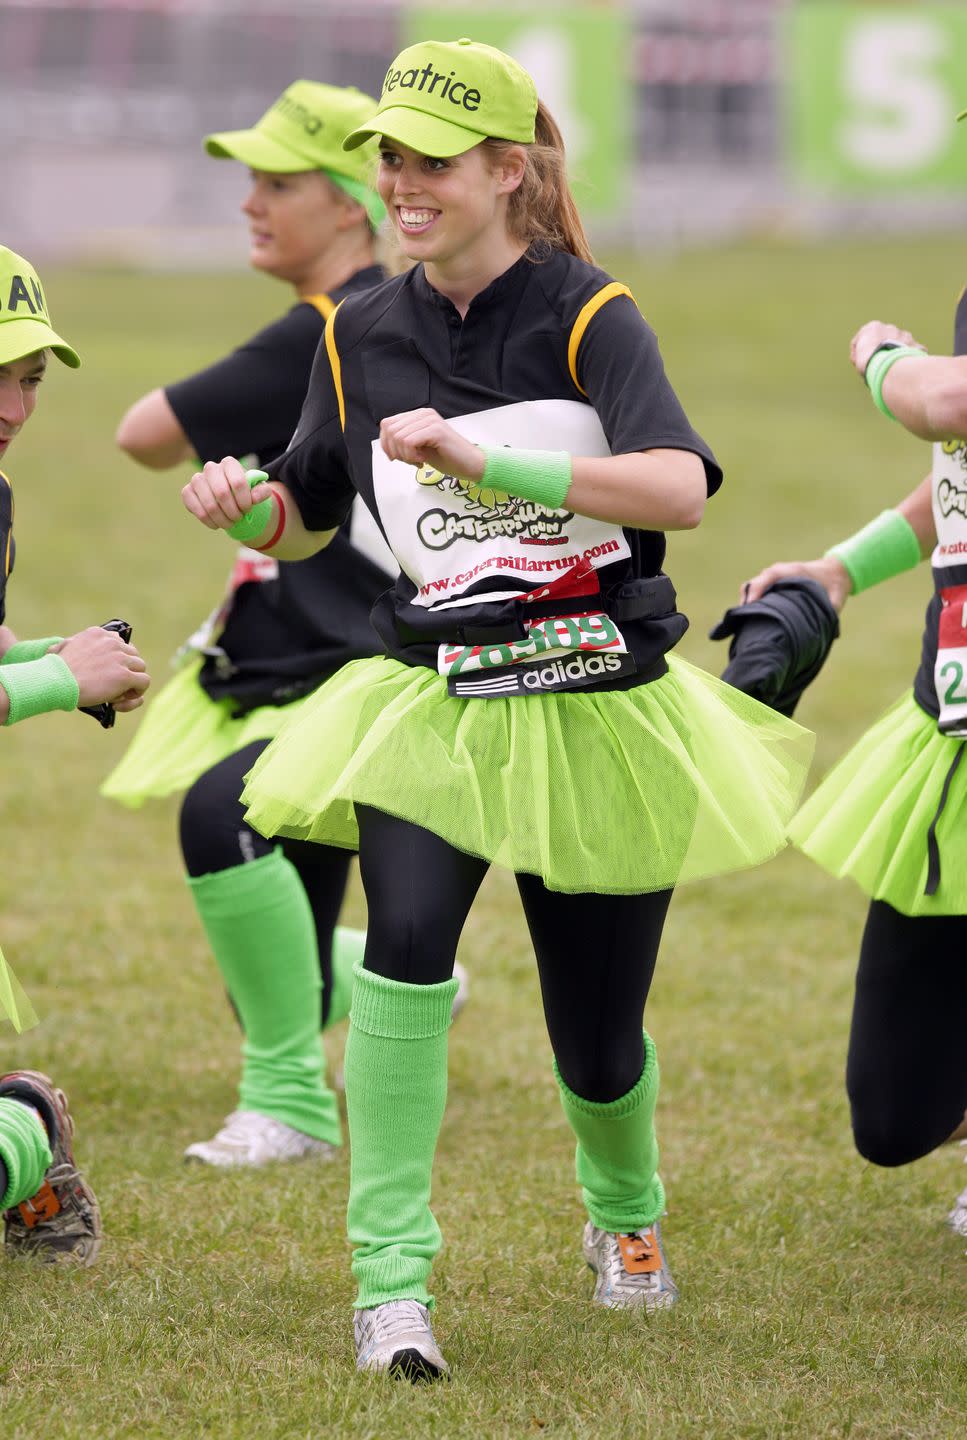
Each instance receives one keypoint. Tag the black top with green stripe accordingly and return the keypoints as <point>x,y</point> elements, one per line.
<point>536,336</point>
<point>284,635</point>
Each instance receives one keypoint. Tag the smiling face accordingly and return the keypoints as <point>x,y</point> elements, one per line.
<point>448,211</point>
<point>294,221</point>
<point>19,381</point>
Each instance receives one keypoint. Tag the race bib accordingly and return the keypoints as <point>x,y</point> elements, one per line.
<point>950,669</point>
<point>567,652</point>
<point>450,534</point>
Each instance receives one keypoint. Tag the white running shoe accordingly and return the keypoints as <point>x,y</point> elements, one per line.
<point>250,1138</point>
<point>631,1269</point>
<point>957,1219</point>
<point>396,1339</point>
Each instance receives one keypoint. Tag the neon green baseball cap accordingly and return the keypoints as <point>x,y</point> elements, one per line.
<point>24,319</point>
<point>442,97</point>
<point>304,130</point>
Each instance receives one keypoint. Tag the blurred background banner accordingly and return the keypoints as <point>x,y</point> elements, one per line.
<point>581,60</point>
<point>874,90</point>
<point>688,121</point>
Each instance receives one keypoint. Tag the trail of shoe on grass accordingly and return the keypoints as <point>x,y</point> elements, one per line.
<point>819,1297</point>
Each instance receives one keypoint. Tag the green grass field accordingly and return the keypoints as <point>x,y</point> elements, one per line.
<point>820,1297</point>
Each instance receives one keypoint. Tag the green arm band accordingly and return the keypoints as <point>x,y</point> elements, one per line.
<point>22,650</point>
<point>878,367</point>
<point>543,476</point>
<point>256,520</point>
<point>885,547</point>
<point>36,686</point>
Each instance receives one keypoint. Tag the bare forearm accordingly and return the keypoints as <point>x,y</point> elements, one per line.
<point>917,510</point>
<point>928,395</point>
<point>649,490</point>
<point>295,542</point>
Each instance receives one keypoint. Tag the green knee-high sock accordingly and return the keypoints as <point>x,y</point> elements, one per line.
<point>24,1150</point>
<point>348,948</point>
<point>396,1091</point>
<point>617,1152</point>
<point>260,927</point>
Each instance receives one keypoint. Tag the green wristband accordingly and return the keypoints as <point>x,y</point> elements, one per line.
<point>36,686</point>
<point>255,521</point>
<point>29,650</point>
<point>878,366</point>
<point>543,476</point>
<point>885,547</point>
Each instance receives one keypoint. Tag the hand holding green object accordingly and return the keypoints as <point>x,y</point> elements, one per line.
<point>251,525</point>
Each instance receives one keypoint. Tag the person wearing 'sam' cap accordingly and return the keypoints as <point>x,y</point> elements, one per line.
<point>49,1209</point>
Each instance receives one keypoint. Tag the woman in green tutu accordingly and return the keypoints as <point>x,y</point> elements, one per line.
<point>527,712</point>
<point>893,813</point>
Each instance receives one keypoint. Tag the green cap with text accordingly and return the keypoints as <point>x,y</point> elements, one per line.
<point>24,319</point>
<point>305,130</point>
<point>443,97</point>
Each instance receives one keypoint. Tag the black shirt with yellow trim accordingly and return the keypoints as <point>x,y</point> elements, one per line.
<point>8,548</point>
<point>288,626</point>
<point>535,361</point>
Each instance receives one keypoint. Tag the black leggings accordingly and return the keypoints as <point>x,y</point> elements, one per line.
<point>214,836</point>
<point>906,1072</point>
<point>595,953</point>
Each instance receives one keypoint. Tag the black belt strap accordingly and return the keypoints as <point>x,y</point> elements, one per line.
<point>933,849</point>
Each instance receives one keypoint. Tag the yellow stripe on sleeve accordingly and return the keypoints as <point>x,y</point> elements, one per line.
<point>335,366</point>
<point>587,314</point>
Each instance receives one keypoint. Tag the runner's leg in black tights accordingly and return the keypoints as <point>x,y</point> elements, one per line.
<point>906,1071</point>
<point>214,836</point>
<point>596,953</point>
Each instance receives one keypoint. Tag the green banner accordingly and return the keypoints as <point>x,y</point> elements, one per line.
<point>579,59</point>
<point>874,92</point>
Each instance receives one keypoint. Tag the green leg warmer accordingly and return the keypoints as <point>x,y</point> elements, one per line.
<point>24,1150</point>
<point>260,927</point>
<point>617,1152</point>
<point>348,947</point>
<point>396,1090</point>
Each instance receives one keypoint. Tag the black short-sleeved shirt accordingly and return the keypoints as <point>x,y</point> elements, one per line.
<point>286,633</point>
<point>8,549</point>
<point>476,563</point>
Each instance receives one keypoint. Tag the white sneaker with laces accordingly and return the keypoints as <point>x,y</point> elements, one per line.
<point>250,1138</point>
<point>957,1219</point>
<point>631,1269</point>
<point>396,1339</point>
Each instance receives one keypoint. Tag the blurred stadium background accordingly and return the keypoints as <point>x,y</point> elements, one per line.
<point>688,121</point>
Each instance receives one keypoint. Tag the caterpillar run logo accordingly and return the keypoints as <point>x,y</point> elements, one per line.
<point>21,295</point>
<point>456,91</point>
<point>486,514</point>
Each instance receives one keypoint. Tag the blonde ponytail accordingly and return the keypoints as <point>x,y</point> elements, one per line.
<point>542,209</point>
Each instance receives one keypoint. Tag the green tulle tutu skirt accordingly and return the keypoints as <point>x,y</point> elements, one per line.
<point>615,792</point>
<point>870,817</point>
<point>183,734</point>
<point>14,1004</point>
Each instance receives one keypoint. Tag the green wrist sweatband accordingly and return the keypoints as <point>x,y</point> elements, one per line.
<point>36,686</point>
<point>543,476</point>
<point>256,520</point>
<point>879,365</point>
<point>29,650</point>
<point>885,547</point>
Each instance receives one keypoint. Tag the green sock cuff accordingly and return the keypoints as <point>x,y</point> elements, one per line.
<point>643,1091</point>
<point>396,1010</point>
<point>348,949</point>
<point>24,1149</point>
<point>222,891</point>
<point>38,686</point>
<point>22,650</point>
